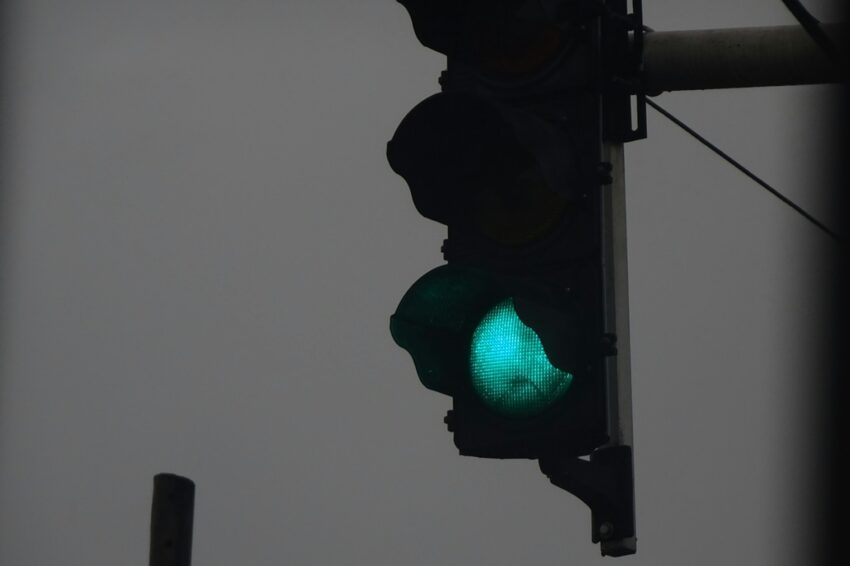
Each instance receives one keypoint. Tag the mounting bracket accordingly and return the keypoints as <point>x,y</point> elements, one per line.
<point>624,102</point>
<point>605,483</point>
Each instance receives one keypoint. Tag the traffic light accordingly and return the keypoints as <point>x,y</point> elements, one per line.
<point>518,326</point>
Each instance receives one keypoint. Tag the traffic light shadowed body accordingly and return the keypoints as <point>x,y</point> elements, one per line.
<point>517,326</point>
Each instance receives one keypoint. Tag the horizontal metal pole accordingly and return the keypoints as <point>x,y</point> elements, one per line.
<point>736,58</point>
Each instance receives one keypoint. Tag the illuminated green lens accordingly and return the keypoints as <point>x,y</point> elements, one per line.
<point>510,370</point>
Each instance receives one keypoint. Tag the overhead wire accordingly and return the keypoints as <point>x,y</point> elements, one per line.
<point>744,170</point>
<point>814,29</point>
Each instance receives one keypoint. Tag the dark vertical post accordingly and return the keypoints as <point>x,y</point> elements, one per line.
<point>172,513</point>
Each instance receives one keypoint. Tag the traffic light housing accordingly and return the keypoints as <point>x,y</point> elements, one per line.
<point>518,326</point>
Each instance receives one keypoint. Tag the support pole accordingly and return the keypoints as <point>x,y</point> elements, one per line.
<point>618,454</point>
<point>737,58</point>
<point>172,514</point>
<point>621,428</point>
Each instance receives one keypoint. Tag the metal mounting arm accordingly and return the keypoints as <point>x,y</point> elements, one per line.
<point>606,484</point>
<point>736,58</point>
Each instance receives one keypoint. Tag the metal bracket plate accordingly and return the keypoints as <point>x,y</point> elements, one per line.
<point>624,103</point>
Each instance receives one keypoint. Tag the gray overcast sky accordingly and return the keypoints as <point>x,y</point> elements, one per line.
<point>202,244</point>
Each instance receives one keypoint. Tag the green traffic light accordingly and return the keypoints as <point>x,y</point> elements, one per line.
<point>509,369</point>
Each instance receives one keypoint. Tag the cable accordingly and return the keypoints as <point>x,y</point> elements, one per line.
<point>813,28</point>
<point>743,170</point>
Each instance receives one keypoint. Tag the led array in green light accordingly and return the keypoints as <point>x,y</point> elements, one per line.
<point>509,368</point>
